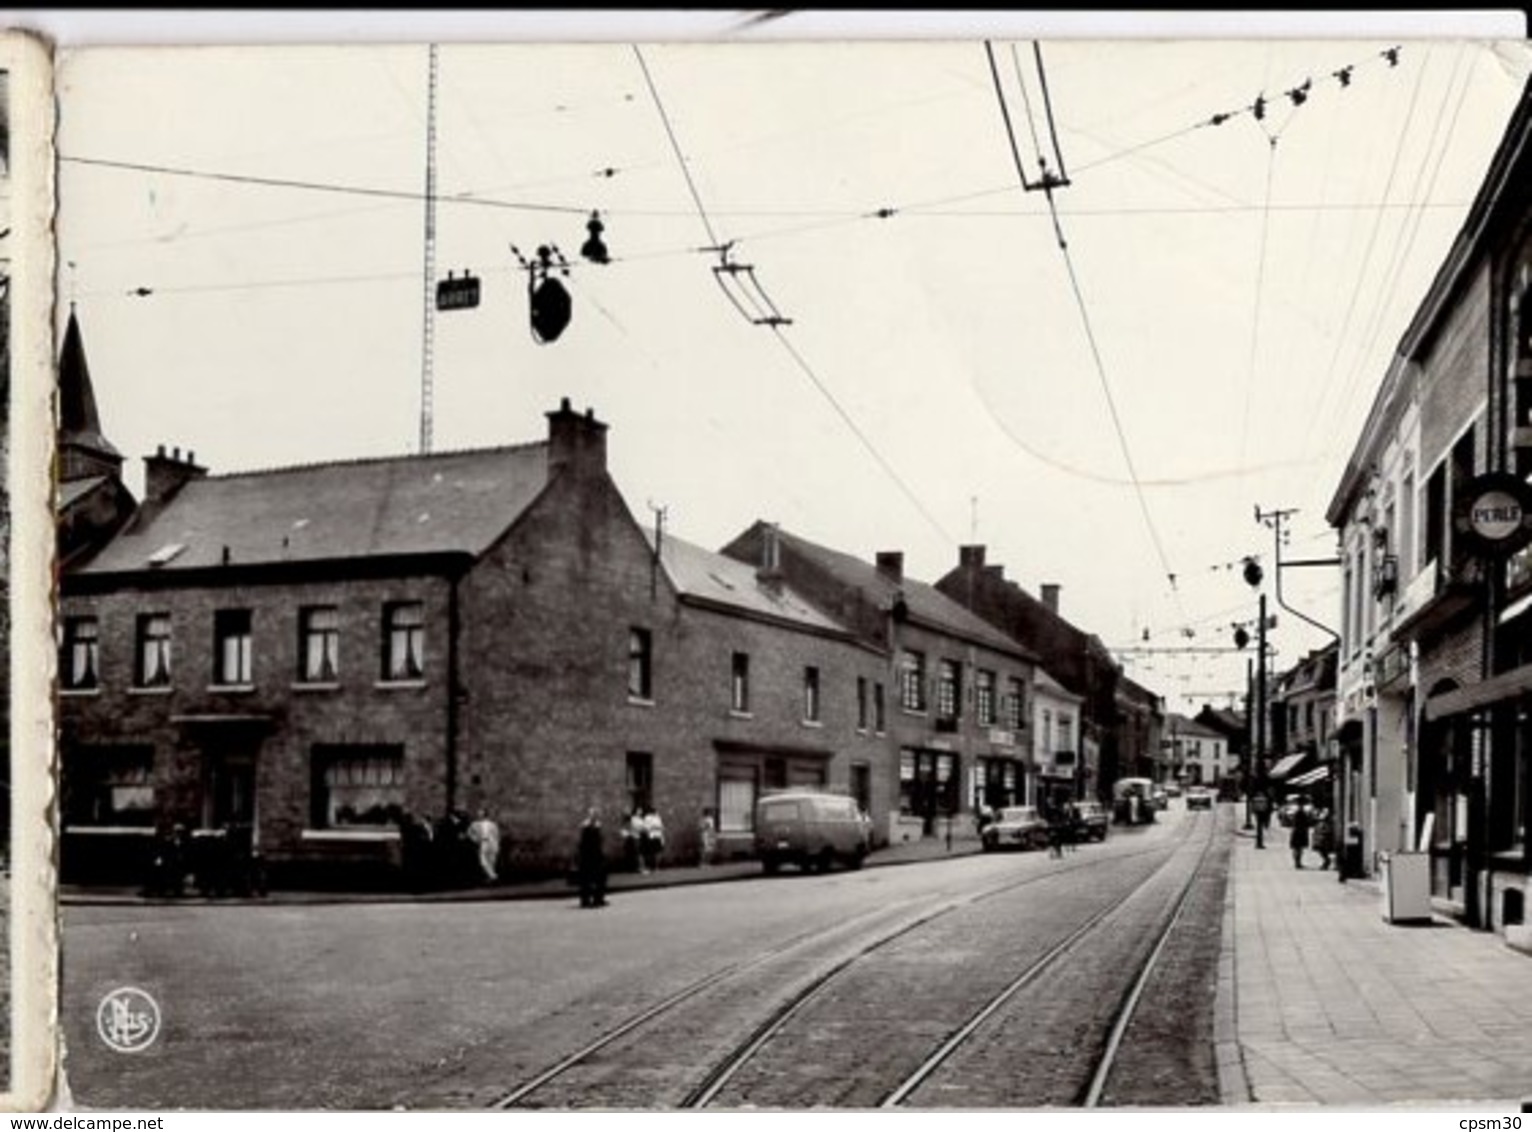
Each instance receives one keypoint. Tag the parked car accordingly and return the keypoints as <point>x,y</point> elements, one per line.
<point>1199,798</point>
<point>811,829</point>
<point>1016,827</point>
<point>1133,801</point>
<point>1091,821</point>
<point>1172,789</point>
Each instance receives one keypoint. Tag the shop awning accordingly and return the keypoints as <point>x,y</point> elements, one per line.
<point>1311,777</point>
<point>1506,686</point>
<point>1286,765</point>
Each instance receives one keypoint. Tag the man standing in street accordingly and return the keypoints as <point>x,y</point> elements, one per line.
<point>590,862</point>
<point>1260,806</point>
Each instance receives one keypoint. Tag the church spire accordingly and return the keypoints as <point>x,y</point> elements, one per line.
<point>83,449</point>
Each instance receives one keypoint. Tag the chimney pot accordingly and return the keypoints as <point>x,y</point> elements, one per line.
<point>1050,595</point>
<point>890,564</point>
<point>160,451</point>
<point>971,557</point>
<point>175,453</point>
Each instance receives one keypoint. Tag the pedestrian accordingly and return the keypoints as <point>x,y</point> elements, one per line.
<point>590,862</point>
<point>707,835</point>
<point>1298,838</point>
<point>1260,806</point>
<point>653,843</point>
<point>633,834</point>
<point>484,833</point>
<point>1324,838</point>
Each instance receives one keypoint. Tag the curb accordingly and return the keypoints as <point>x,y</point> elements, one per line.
<point>545,890</point>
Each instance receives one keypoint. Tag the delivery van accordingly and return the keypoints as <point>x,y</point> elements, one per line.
<point>811,829</point>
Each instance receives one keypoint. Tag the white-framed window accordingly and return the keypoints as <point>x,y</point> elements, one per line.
<point>984,697</point>
<point>912,680</point>
<point>404,640</point>
<point>949,690</point>
<point>79,654</point>
<point>152,669</point>
<point>319,644</point>
<point>1015,703</point>
<point>231,647</point>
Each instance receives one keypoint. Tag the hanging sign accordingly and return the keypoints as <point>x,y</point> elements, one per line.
<point>1494,514</point>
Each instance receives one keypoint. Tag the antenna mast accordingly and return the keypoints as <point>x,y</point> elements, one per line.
<point>428,303</point>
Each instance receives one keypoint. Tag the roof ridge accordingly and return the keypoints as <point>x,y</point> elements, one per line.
<point>365,460</point>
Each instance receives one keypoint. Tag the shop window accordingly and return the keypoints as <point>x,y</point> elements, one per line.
<point>108,786</point>
<point>357,786</point>
<point>736,802</point>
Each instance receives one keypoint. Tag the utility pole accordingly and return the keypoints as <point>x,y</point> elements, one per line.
<point>428,289</point>
<point>1275,520</point>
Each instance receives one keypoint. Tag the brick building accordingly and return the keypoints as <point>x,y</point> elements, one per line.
<point>1436,661</point>
<point>319,651</point>
<point>1076,659</point>
<point>958,689</point>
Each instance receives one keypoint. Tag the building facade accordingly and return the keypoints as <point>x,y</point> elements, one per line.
<point>959,690</point>
<point>1435,681</point>
<point>318,653</point>
<point>1076,659</point>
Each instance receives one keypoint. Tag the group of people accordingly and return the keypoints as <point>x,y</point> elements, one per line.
<point>1311,829</point>
<point>643,839</point>
<point>457,850</point>
<point>217,863</point>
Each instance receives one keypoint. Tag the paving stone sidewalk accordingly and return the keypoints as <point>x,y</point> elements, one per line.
<point>1322,1002</point>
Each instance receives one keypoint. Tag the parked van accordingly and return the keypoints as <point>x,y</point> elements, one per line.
<point>811,829</point>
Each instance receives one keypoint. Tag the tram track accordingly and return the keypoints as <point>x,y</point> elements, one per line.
<point>827,971</point>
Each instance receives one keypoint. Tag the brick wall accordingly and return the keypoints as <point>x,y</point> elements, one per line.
<point>357,708</point>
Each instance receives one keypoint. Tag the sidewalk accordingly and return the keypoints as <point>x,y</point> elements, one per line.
<point>1321,1002</point>
<point>927,849</point>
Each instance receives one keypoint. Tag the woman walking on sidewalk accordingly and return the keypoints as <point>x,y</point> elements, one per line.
<point>1298,839</point>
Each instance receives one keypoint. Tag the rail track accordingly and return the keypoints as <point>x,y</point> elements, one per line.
<point>832,952</point>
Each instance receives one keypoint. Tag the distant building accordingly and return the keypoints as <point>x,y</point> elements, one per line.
<point>1198,754</point>
<point>959,688</point>
<point>1121,722</point>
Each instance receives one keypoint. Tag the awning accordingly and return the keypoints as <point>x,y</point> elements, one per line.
<point>1506,686</point>
<point>1286,765</point>
<point>1310,777</point>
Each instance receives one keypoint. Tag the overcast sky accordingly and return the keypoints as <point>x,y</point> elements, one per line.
<point>1105,420</point>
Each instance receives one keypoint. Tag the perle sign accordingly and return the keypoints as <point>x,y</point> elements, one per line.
<point>1496,514</point>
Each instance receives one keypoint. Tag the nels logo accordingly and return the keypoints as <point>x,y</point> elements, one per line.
<point>128,1020</point>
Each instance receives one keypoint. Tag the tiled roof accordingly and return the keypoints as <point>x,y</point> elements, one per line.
<point>455,501</point>
<point>722,580</point>
<point>924,602</point>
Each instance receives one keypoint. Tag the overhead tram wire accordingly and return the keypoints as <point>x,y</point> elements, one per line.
<point>1090,333</point>
<point>776,325</point>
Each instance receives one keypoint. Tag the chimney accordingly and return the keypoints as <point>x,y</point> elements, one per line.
<point>971,558</point>
<point>1050,592</point>
<point>165,476</point>
<point>769,572</point>
<point>576,442</point>
<point>891,565</point>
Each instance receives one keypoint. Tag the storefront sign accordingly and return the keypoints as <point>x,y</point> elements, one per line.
<point>1495,514</point>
